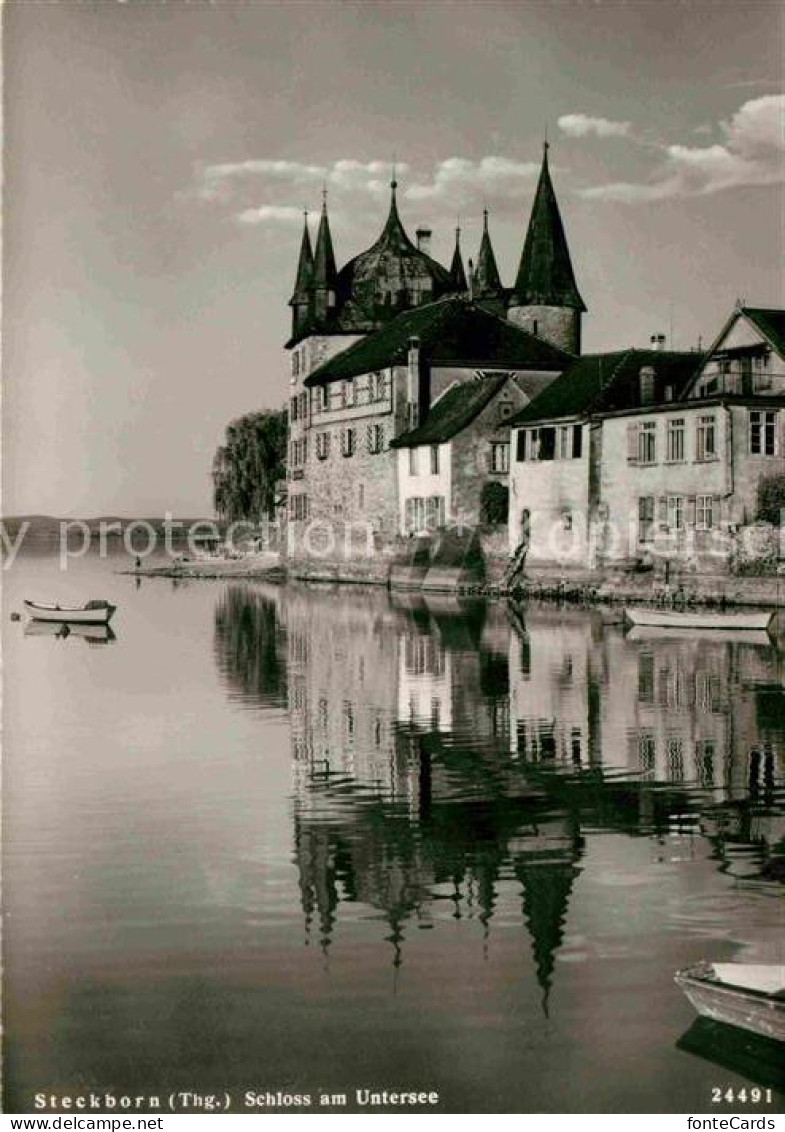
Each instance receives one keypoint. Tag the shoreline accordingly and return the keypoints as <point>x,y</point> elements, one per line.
<point>710,591</point>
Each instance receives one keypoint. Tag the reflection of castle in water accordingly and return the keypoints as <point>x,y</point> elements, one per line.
<point>444,757</point>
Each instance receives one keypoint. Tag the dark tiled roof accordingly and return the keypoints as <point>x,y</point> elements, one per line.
<point>454,410</point>
<point>771,323</point>
<point>486,281</point>
<point>597,383</point>
<point>325,273</point>
<point>545,275</point>
<point>304,278</point>
<point>457,273</point>
<point>451,330</point>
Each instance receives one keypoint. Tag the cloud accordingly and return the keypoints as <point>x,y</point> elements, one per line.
<point>271,214</point>
<point>752,153</point>
<point>270,191</point>
<point>583,125</point>
<point>459,179</point>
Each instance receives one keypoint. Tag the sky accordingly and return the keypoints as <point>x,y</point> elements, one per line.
<point>158,157</point>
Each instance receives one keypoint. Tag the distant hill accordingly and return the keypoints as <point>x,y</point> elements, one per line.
<point>48,526</point>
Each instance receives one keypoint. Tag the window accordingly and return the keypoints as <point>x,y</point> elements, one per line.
<point>705,439</point>
<point>675,441</point>
<point>375,438</point>
<point>535,327</point>
<point>646,518</point>
<point>762,374</point>
<point>298,507</point>
<point>348,442</point>
<point>520,445</point>
<point>676,509</point>
<point>322,445</point>
<point>647,385</point>
<point>704,513</point>
<point>412,461</point>
<point>577,441</point>
<point>500,457</point>
<point>325,397</point>
<point>434,459</point>
<point>763,433</point>
<point>347,394</point>
<point>564,443</point>
<point>434,512</point>
<point>546,443</point>
<point>293,406</point>
<point>295,363</point>
<point>642,443</point>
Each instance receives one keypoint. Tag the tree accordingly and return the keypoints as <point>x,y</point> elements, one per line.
<point>248,465</point>
<point>494,503</point>
<point>771,499</point>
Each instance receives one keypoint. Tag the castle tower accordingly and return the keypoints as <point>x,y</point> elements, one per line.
<point>545,300</point>
<point>486,283</point>
<point>457,273</point>
<point>301,300</point>
<point>325,273</point>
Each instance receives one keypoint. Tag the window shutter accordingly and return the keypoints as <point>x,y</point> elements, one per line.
<point>409,514</point>
<point>662,509</point>
<point>369,435</point>
<point>632,444</point>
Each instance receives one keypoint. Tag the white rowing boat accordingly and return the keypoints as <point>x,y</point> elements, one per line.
<point>702,619</point>
<point>748,995</point>
<point>93,613</point>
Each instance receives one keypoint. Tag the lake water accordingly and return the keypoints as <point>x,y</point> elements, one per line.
<point>309,840</point>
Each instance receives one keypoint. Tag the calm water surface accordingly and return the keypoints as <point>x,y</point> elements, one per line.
<point>320,839</point>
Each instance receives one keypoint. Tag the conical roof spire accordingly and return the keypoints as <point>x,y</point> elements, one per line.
<point>302,284</point>
<point>325,273</point>
<point>457,273</point>
<point>545,276</point>
<point>487,282</point>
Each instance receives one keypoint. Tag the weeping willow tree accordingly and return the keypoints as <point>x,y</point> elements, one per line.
<point>248,465</point>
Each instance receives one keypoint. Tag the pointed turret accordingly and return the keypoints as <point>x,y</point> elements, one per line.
<point>487,283</point>
<point>325,274</point>
<point>546,300</point>
<point>302,294</point>
<point>457,273</point>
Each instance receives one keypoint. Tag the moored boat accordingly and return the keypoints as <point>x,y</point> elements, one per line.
<point>701,619</point>
<point>95,612</point>
<point>748,995</point>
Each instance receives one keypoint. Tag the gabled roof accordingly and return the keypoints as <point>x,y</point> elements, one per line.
<point>597,383</point>
<point>450,330</point>
<point>302,283</point>
<point>454,410</point>
<point>771,323</point>
<point>545,275</point>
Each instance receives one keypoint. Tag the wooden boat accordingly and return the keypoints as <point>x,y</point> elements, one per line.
<point>700,619</point>
<point>93,613</point>
<point>748,995</point>
<point>757,638</point>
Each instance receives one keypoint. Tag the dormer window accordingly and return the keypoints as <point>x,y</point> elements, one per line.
<point>647,385</point>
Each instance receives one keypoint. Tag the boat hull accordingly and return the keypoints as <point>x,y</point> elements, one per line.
<point>750,620</point>
<point>747,1010</point>
<point>99,616</point>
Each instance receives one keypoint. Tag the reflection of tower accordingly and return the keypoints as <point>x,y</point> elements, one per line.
<point>316,868</point>
<point>546,866</point>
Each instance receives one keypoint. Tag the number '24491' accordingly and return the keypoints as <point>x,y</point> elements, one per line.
<point>730,1095</point>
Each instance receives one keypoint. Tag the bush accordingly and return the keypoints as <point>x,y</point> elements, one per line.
<point>494,503</point>
<point>771,499</point>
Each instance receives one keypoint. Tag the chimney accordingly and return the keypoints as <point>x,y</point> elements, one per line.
<point>657,341</point>
<point>424,240</point>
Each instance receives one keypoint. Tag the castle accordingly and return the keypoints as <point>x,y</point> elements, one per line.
<point>376,345</point>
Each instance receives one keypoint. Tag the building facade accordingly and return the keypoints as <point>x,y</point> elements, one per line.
<point>375,344</point>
